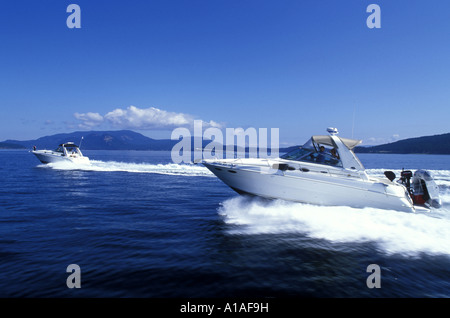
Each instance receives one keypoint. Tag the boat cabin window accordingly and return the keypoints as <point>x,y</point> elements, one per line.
<point>72,150</point>
<point>316,153</point>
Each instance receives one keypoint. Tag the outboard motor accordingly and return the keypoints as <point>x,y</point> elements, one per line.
<point>426,191</point>
<point>421,187</point>
<point>405,179</point>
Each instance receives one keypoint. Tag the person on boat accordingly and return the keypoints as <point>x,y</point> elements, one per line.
<point>34,148</point>
<point>334,153</point>
<point>321,156</point>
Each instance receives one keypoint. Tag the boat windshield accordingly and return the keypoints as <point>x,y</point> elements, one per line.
<point>316,153</point>
<point>72,150</point>
<point>59,149</point>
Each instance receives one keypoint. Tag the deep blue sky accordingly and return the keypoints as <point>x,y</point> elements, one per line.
<point>299,66</point>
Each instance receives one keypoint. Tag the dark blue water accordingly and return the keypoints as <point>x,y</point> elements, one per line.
<point>140,226</point>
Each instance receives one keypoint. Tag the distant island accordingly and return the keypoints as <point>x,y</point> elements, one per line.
<point>7,145</point>
<point>437,144</point>
<point>130,140</point>
<point>97,140</point>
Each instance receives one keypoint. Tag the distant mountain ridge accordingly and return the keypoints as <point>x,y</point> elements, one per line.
<point>7,145</point>
<point>130,140</point>
<point>100,140</point>
<point>436,144</point>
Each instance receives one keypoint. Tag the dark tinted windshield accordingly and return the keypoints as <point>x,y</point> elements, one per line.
<point>297,154</point>
<point>311,152</point>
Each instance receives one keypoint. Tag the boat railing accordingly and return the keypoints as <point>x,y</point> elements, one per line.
<point>325,170</point>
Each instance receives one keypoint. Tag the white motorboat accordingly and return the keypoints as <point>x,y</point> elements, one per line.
<point>326,171</point>
<point>67,152</point>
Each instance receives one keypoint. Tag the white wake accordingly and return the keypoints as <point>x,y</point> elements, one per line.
<point>112,166</point>
<point>392,231</point>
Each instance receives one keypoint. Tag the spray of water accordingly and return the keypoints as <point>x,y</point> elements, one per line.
<point>112,166</point>
<point>393,231</point>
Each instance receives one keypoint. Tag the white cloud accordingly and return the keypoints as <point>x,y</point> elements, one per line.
<point>89,120</point>
<point>140,118</point>
<point>149,118</point>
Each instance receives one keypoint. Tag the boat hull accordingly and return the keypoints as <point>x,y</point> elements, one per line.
<point>317,188</point>
<point>46,157</point>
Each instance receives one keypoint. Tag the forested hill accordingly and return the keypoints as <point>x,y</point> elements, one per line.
<point>129,140</point>
<point>99,140</point>
<point>437,144</point>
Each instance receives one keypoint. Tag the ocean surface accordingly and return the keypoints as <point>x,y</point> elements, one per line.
<point>138,225</point>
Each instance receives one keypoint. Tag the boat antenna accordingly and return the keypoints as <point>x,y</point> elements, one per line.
<point>79,147</point>
<point>353,122</point>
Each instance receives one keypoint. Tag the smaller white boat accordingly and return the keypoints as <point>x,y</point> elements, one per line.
<point>67,152</point>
